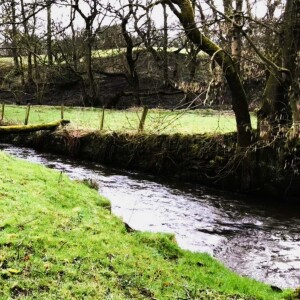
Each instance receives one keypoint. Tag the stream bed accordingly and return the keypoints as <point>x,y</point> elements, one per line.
<point>255,239</point>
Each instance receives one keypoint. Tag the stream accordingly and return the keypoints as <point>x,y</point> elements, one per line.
<point>259,240</point>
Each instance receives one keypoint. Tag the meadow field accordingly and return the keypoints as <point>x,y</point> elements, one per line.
<point>157,121</point>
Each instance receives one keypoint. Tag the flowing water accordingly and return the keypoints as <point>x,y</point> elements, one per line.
<point>258,240</point>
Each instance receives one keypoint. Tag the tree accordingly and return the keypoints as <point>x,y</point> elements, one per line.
<point>185,13</point>
<point>165,46</point>
<point>89,39</point>
<point>151,38</point>
<point>49,32</point>
<point>275,114</point>
<point>14,37</point>
<point>236,43</point>
<point>10,32</point>
<point>294,62</point>
<point>131,61</point>
<point>27,42</point>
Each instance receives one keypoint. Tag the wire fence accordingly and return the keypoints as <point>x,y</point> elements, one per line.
<point>133,120</point>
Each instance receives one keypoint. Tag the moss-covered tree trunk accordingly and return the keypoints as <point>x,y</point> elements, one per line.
<point>239,98</point>
<point>31,128</point>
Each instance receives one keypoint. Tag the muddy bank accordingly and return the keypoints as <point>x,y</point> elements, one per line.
<point>205,159</point>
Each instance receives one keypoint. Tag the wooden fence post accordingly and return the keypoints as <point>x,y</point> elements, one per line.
<point>27,114</point>
<point>62,112</point>
<point>142,121</point>
<point>2,112</point>
<point>102,119</point>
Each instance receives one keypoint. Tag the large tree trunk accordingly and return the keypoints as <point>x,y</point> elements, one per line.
<point>236,39</point>
<point>275,115</point>
<point>239,98</point>
<point>291,33</point>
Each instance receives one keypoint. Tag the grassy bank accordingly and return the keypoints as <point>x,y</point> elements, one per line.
<point>59,241</point>
<point>157,121</point>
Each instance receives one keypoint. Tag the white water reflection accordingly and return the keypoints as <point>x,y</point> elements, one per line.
<point>149,206</point>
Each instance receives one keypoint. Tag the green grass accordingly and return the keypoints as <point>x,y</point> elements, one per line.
<point>6,60</point>
<point>157,121</point>
<point>58,240</point>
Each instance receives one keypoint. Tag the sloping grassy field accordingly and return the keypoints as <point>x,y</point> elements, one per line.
<point>58,240</point>
<point>157,121</point>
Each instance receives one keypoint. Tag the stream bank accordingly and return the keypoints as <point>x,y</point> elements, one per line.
<point>59,241</point>
<point>253,238</point>
<point>207,159</point>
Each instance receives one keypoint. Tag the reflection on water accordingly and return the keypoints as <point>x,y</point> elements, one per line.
<point>258,240</point>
